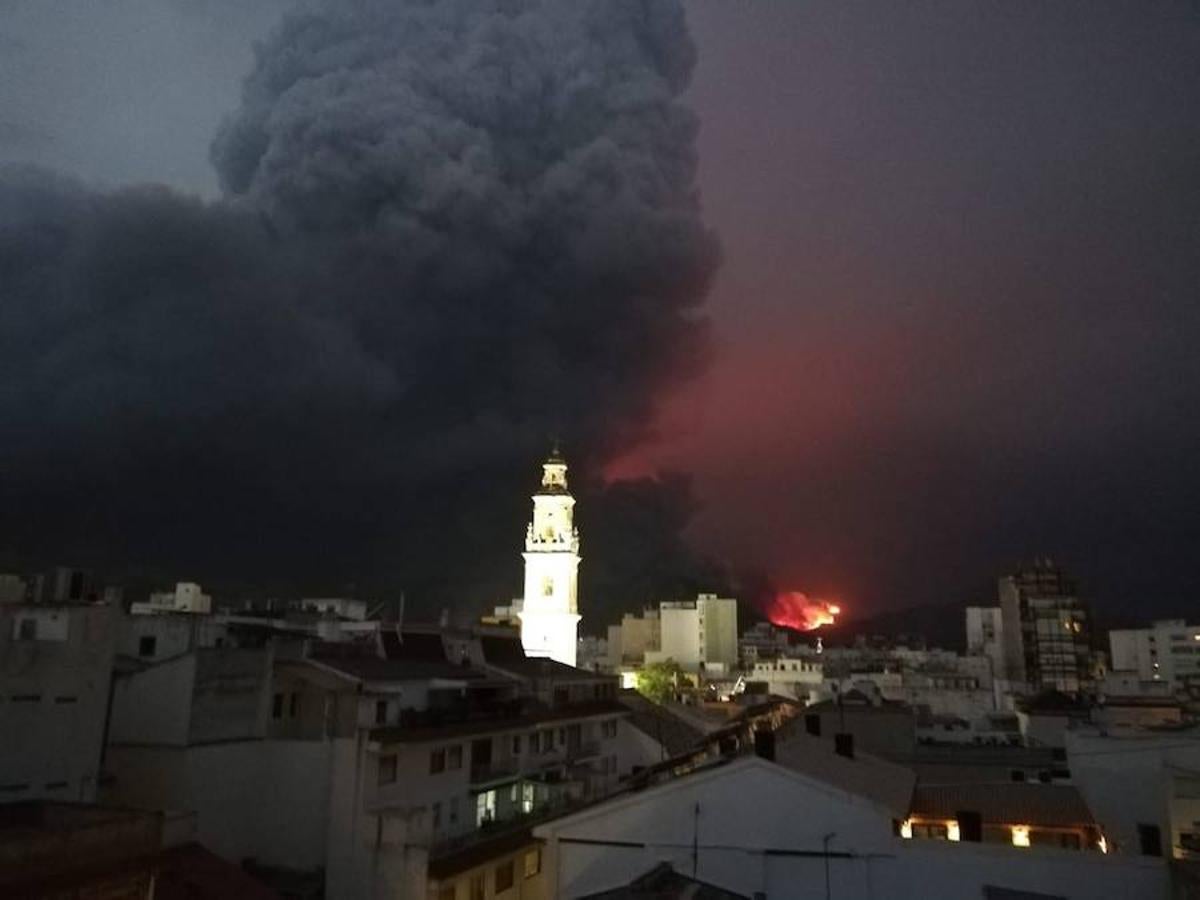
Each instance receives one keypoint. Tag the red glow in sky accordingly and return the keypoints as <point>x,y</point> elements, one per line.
<point>792,609</point>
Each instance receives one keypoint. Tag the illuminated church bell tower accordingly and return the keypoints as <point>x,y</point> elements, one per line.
<point>549,613</point>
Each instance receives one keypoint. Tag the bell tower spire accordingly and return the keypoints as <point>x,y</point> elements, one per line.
<point>550,608</point>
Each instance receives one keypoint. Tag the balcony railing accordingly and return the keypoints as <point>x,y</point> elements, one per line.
<point>496,771</point>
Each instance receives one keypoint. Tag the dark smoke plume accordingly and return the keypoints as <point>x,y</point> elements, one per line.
<point>450,230</point>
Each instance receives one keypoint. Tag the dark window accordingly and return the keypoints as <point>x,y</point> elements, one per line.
<point>55,785</point>
<point>294,706</point>
<point>387,768</point>
<point>380,712</point>
<point>437,762</point>
<point>481,753</point>
<point>534,742</point>
<point>27,698</point>
<point>27,630</point>
<point>66,699</point>
<point>812,724</point>
<point>516,745</point>
<point>561,697</point>
<point>504,876</point>
<point>446,893</point>
<point>477,887</point>
<point>970,825</point>
<point>454,757</point>
<point>147,644</point>
<point>277,707</point>
<point>1150,839</point>
<point>1018,775</point>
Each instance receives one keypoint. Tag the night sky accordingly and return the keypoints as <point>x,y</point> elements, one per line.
<point>953,326</point>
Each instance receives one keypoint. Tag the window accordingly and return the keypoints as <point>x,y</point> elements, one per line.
<point>455,757</point>
<point>608,729</point>
<point>381,711</point>
<point>147,644</point>
<point>27,630</point>
<point>26,698</point>
<point>447,893</point>
<point>534,742</point>
<point>453,810</point>
<point>294,706</point>
<point>437,761</point>
<point>477,887</point>
<point>277,707</point>
<point>387,769</point>
<point>504,876</point>
<point>533,862</point>
<point>437,816</point>
<point>66,699</point>
<point>516,745</point>
<point>1150,839</point>
<point>548,740</point>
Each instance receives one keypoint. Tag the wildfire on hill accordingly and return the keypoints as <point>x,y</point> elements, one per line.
<point>793,609</point>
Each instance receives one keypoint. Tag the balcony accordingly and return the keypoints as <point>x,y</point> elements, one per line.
<point>583,750</point>
<point>488,774</point>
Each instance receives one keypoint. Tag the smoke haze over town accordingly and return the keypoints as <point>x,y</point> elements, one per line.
<point>310,315</point>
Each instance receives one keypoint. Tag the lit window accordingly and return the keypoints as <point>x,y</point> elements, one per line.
<point>1020,835</point>
<point>952,831</point>
<point>906,828</point>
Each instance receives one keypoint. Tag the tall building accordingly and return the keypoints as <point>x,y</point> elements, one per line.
<point>550,609</point>
<point>700,635</point>
<point>1045,629</point>
<point>985,635</point>
<point>1167,651</point>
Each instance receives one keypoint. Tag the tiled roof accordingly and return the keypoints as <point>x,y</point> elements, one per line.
<point>885,783</point>
<point>417,734</point>
<point>1024,803</point>
<point>660,724</point>
<point>368,667</point>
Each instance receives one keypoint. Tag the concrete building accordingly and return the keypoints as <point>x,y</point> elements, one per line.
<point>338,607</point>
<point>864,830</point>
<point>629,641</point>
<point>1144,787</point>
<point>985,635</point>
<point>404,765</point>
<point>549,609</point>
<point>187,597</point>
<point>13,589</point>
<point>1045,629</point>
<point>1167,651</point>
<point>794,677</point>
<point>701,635</point>
<point>56,666</point>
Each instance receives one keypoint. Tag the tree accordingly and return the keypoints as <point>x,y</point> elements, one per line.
<point>659,681</point>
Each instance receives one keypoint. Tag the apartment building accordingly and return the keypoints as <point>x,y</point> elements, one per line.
<point>56,664</point>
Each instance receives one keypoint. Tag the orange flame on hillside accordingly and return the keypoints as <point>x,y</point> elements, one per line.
<point>793,609</point>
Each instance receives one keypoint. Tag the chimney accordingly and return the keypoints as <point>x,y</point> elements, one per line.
<point>764,744</point>
<point>843,745</point>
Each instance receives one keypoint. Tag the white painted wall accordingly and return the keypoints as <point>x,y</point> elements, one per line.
<point>732,813</point>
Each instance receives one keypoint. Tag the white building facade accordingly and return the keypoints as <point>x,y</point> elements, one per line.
<point>1166,651</point>
<point>701,636</point>
<point>549,612</point>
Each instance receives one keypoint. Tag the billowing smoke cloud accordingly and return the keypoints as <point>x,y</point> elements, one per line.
<point>449,231</point>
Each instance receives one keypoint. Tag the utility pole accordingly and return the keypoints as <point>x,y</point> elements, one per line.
<point>825,842</point>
